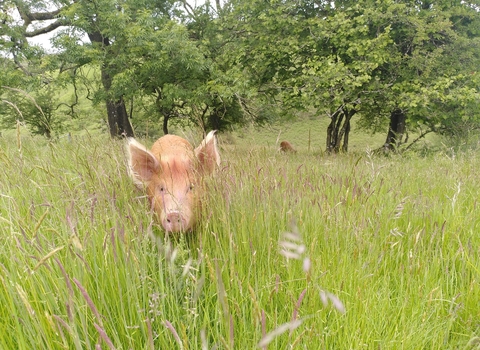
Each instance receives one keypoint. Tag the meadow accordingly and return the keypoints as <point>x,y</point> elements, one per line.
<point>298,251</point>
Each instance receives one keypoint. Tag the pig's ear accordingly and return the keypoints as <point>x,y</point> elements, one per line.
<point>207,153</point>
<point>142,164</point>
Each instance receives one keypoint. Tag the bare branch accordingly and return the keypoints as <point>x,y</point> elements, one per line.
<point>421,136</point>
<point>42,16</point>
<point>46,29</point>
<point>188,8</point>
<point>20,65</point>
<point>219,6</point>
<point>75,91</point>
<point>28,17</point>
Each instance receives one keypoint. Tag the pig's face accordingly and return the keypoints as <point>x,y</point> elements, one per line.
<point>174,195</point>
<point>171,173</point>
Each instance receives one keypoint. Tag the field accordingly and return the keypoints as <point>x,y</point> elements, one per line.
<point>299,251</point>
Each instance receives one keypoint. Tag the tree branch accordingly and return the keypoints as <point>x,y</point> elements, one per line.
<point>28,17</point>
<point>188,8</point>
<point>421,136</point>
<point>47,29</point>
<point>20,65</point>
<point>43,16</point>
<point>218,5</point>
<point>71,107</point>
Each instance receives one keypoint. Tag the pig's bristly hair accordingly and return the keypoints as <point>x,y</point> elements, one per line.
<point>167,173</point>
<point>207,151</point>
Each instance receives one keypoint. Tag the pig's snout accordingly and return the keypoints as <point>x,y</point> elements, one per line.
<point>174,222</point>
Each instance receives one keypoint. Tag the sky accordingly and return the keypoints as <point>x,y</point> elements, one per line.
<point>43,40</point>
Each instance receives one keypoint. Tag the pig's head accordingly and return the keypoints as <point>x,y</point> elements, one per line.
<point>171,174</point>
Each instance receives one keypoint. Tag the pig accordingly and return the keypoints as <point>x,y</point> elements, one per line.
<point>286,146</point>
<point>172,174</point>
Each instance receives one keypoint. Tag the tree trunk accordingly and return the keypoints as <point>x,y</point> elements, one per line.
<point>333,130</point>
<point>346,134</point>
<point>118,119</point>
<point>117,115</point>
<point>165,124</point>
<point>337,131</point>
<point>396,130</point>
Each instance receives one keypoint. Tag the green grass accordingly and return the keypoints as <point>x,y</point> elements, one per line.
<point>308,134</point>
<point>305,134</point>
<point>394,239</point>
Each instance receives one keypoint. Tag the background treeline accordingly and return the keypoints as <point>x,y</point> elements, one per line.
<point>129,66</point>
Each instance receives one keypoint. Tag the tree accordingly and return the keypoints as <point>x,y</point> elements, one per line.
<point>323,58</point>
<point>429,71</point>
<point>226,95</point>
<point>151,55</point>
<point>389,62</point>
<point>106,23</point>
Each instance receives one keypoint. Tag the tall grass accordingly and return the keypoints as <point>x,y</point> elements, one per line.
<point>299,251</point>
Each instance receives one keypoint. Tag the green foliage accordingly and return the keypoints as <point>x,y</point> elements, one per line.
<point>316,62</point>
<point>230,63</point>
<point>153,61</point>
<point>48,103</point>
<point>431,72</point>
<point>78,269</point>
<point>364,56</point>
<point>163,64</point>
<point>36,112</point>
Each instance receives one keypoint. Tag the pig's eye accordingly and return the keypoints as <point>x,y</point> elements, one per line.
<point>161,189</point>
<point>191,187</point>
